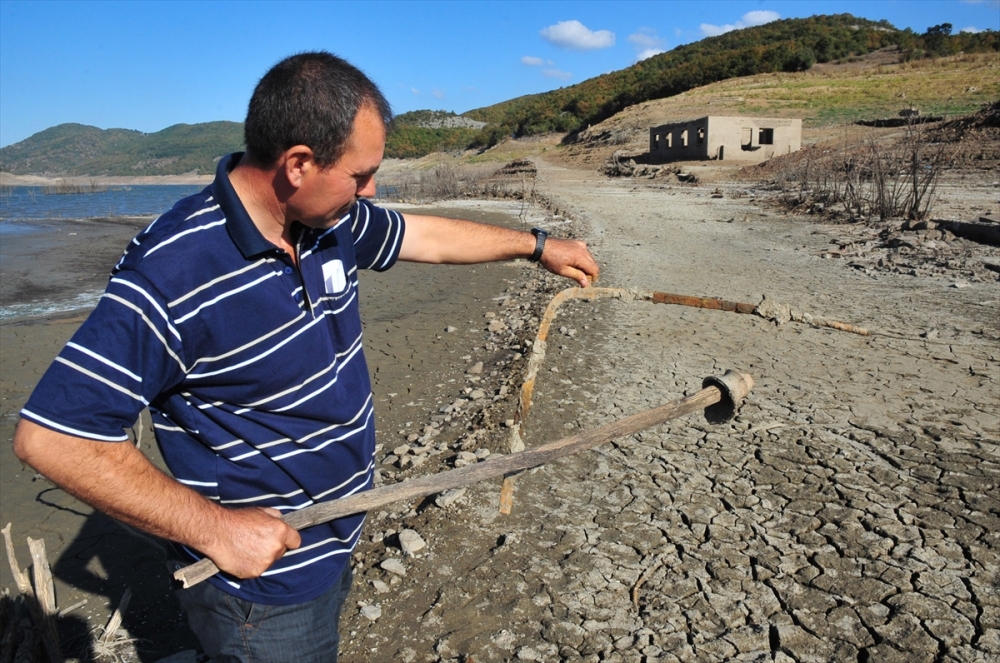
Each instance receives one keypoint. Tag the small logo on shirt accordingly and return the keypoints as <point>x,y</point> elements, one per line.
<point>334,279</point>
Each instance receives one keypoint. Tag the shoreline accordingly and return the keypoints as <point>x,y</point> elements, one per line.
<point>8,179</point>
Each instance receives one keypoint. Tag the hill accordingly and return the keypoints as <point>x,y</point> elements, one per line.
<point>77,149</point>
<point>777,49</point>
<point>825,98</point>
<point>781,46</point>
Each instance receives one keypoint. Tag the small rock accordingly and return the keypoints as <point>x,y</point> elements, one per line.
<point>449,329</point>
<point>371,612</point>
<point>509,423</point>
<point>411,542</point>
<point>960,284</point>
<point>476,369</point>
<point>380,586</point>
<point>929,334</point>
<point>477,394</point>
<point>401,450</point>
<point>449,497</point>
<point>496,325</point>
<point>394,566</point>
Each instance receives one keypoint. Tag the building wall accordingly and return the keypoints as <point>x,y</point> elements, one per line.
<point>748,139</point>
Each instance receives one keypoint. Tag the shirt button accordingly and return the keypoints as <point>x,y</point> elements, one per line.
<point>288,270</point>
<point>298,296</point>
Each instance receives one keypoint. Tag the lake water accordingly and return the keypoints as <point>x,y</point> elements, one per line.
<point>25,203</point>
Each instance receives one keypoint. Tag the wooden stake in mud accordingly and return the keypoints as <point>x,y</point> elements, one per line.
<point>727,391</point>
<point>767,309</point>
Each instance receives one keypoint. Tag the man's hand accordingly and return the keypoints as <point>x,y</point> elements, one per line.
<point>570,258</point>
<point>117,479</point>
<point>249,541</point>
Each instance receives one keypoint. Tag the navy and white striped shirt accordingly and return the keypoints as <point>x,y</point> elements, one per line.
<point>252,368</point>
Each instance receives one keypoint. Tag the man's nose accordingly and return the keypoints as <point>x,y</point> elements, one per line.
<point>367,189</point>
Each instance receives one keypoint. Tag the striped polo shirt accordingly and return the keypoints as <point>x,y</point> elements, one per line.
<point>251,366</point>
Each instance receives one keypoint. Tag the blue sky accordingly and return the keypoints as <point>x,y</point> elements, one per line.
<point>149,65</point>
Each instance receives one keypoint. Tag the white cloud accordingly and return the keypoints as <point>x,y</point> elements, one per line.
<point>646,38</point>
<point>576,36</point>
<point>647,43</point>
<point>557,73</point>
<point>648,53</point>
<point>759,17</point>
<point>971,29</point>
<point>532,61</point>
<point>750,19</point>
<point>415,91</point>
<point>437,93</point>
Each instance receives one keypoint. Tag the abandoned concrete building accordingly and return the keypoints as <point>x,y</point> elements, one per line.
<point>753,139</point>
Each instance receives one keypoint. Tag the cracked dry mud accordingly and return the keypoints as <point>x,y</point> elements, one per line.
<point>850,512</point>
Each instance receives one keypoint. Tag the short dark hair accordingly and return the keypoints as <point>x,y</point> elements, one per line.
<point>309,99</point>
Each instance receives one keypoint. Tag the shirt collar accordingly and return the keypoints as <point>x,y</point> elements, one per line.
<point>245,235</point>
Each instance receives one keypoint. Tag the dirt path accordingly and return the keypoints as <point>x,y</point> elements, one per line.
<point>849,513</point>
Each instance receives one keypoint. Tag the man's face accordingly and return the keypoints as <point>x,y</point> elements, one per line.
<point>327,194</point>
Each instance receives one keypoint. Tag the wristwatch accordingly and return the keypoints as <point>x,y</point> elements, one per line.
<point>540,236</point>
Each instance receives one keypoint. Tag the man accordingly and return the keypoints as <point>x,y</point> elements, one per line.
<point>234,318</point>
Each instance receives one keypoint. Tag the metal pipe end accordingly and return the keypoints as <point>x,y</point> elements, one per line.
<point>734,387</point>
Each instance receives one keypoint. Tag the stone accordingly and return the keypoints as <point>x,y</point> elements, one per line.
<point>411,542</point>
<point>394,566</point>
<point>380,586</point>
<point>476,369</point>
<point>449,329</point>
<point>371,612</point>
<point>449,497</point>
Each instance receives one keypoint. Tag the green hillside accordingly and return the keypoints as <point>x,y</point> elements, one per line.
<point>782,46</point>
<point>77,149</point>
<point>791,45</point>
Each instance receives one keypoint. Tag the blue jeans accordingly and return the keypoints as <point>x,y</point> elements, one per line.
<point>232,630</point>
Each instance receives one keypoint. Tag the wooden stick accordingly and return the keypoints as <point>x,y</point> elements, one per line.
<point>38,614</point>
<point>493,467</point>
<point>46,595</point>
<point>538,350</point>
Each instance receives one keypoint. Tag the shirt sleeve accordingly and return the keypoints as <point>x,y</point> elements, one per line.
<point>124,355</point>
<point>378,235</point>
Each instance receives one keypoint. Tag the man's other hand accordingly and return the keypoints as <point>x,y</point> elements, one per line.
<point>250,541</point>
<point>570,258</point>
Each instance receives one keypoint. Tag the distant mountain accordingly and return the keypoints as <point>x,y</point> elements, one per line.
<point>788,45</point>
<point>434,119</point>
<point>78,149</point>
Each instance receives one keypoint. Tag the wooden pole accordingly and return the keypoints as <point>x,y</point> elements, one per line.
<point>495,466</point>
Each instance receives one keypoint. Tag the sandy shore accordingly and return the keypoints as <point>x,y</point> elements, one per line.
<point>849,512</point>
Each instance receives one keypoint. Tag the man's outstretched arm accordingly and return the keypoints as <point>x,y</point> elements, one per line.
<point>119,480</point>
<point>435,239</point>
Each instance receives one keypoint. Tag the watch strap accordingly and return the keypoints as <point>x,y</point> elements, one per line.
<point>540,236</point>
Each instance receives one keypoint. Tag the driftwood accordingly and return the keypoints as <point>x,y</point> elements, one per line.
<point>40,599</point>
<point>732,387</point>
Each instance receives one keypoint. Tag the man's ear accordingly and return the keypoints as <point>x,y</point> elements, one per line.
<point>296,163</point>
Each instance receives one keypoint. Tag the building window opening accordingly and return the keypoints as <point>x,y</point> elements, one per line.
<point>684,138</point>
<point>766,137</point>
<point>746,138</point>
<point>701,135</point>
